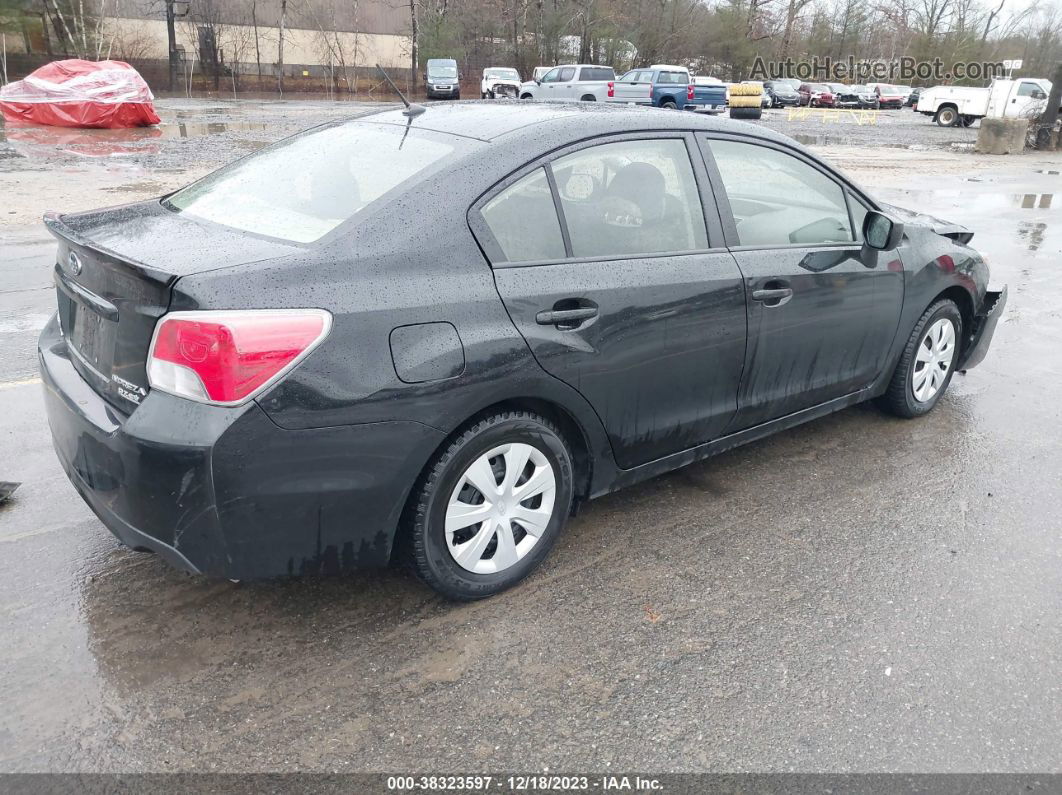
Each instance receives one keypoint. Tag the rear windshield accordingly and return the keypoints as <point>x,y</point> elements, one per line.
<point>681,78</point>
<point>303,188</point>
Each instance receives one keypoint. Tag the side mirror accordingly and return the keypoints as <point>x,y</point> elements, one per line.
<point>1039,95</point>
<point>881,232</point>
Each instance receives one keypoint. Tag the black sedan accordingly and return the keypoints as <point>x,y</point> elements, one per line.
<point>429,337</point>
<point>781,94</point>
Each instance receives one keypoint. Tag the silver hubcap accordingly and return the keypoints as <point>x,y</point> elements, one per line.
<point>935,352</point>
<point>500,508</point>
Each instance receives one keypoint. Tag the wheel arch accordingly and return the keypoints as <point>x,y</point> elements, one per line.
<point>945,106</point>
<point>962,298</point>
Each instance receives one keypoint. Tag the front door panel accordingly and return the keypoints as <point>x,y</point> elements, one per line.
<point>829,338</point>
<point>661,359</point>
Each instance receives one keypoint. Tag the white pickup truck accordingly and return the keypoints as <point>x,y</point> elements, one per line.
<point>579,82</point>
<point>963,105</point>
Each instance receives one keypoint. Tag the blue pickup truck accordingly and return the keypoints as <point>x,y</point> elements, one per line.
<point>667,87</point>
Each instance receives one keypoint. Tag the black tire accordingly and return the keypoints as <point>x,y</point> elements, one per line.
<point>900,399</point>
<point>425,517</point>
<point>588,98</point>
<point>746,113</point>
<point>947,117</point>
<point>669,104</point>
<point>526,96</point>
<point>968,121</point>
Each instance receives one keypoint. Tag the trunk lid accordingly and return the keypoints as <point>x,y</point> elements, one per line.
<point>114,274</point>
<point>709,94</point>
<point>633,91</point>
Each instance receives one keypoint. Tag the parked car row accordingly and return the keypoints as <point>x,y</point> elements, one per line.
<point>659,85</point>
<point>674,88</point>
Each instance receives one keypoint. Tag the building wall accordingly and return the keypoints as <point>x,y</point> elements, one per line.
<point>138,39</point>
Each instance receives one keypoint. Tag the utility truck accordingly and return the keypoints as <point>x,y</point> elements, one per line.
<point>952,106</point>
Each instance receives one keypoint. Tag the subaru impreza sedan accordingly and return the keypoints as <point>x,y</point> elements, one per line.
<point>428,335</point>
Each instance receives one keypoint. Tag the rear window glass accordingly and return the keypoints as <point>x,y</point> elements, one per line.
<point>523,219</point>
<point>303,188</point>
<point>681,78</point>
<point>597,73</point>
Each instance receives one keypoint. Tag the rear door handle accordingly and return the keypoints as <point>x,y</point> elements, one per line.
<point>555,317</point>
<point>775,296</point>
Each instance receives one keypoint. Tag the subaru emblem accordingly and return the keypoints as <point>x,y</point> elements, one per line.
<point>73,264</point>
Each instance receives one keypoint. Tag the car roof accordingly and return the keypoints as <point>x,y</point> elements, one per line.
<point>565,121</point>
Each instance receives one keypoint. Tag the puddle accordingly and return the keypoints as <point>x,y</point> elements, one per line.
<point>1045,171</point>
<point>184,129</point>
<point>54,143</point>
<point>139,187</point>
<point>987,200</point>
<point>824,139</point>
<point>1036,201</point>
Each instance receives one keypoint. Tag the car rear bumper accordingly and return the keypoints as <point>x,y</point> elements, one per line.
<point>225,491</point>
<point>984,328</point>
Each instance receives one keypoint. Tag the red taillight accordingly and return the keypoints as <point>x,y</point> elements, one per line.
<point>611,89</point>
<point>689,91</point>
<point>229,356</point>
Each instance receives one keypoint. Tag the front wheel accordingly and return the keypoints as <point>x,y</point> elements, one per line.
<point>927,363</point>
<point>487,510</point>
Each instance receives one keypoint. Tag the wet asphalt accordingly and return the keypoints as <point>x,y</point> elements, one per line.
<point>858,594</point>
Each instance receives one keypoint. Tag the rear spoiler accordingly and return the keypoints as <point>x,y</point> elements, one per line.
<point>62,231</point>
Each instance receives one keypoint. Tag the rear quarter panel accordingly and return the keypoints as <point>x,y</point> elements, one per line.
<point>413,261</point>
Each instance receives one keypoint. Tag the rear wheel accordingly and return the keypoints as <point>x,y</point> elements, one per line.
<point>928,362</point>
<point>489,508</point>
<point>968,121</point>
<point>947,117</point>
<point>588,98</point>
<point>669,104</point>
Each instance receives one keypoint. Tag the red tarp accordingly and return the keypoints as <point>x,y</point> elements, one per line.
<point>77,93</point>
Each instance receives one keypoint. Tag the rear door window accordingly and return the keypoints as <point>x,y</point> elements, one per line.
<point>597,73</point>
<point>523,220</point>
<point>566,74</point>
<point>304,187</point>
<point>629,198</point>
